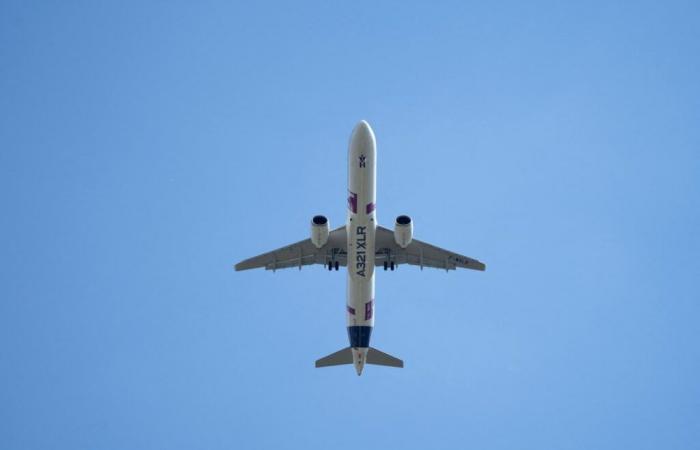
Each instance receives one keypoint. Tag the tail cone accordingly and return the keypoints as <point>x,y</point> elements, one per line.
<point>359,357</point>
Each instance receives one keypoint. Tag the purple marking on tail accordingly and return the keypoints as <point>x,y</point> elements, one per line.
<point>370,207</point>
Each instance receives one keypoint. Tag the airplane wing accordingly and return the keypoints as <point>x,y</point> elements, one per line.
<point>302,253</point>
<point>419,253</point>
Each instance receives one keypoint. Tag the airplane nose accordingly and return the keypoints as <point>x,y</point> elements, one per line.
<point>362,136</point>
<point>363,130</point>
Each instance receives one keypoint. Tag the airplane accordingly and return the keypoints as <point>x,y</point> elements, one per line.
<point>360,245</point>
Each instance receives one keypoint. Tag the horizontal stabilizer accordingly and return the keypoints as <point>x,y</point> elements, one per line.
<point>338,358</point>
<point>378,358</point>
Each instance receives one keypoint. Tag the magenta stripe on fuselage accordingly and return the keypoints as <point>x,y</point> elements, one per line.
<point>352,202</point>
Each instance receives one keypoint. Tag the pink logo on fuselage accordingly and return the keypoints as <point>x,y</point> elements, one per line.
<point>352,202</point>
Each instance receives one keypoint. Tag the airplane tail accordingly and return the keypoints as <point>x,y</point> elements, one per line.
<point>338,358</point>
<point>344,356</point>
<point>378,358</point>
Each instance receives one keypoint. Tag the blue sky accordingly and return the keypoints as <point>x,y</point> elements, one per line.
<point>145,148</point>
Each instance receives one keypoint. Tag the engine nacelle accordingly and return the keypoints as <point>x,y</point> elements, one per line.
<point>403,231</point>
<point>319,231</point>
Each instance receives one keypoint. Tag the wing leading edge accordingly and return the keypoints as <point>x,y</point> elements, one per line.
<point>419,253</point>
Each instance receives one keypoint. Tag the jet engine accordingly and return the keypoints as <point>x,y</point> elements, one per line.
<point>319,231</point>
<point>403,231</point>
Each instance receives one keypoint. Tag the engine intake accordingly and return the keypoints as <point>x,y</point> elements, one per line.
<point>403,231</point>
<point>319,231</point>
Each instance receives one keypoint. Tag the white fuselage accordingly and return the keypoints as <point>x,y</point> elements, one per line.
<point>361,229</point>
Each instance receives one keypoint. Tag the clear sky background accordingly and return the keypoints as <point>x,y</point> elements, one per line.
<point>146,148</point>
